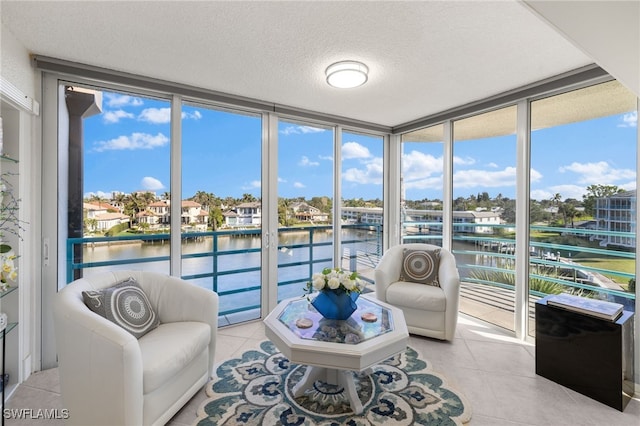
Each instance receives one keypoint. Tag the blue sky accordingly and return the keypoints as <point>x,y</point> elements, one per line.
<point>127,148</point>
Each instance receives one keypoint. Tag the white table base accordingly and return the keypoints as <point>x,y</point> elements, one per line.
<point>341,378</point>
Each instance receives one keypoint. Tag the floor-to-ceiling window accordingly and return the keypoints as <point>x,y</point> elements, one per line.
<point>221,207</point>
<point>361,211</point>
<point>484,186</point>
<point>421,185</point>
<point>119,169</point>
<point>306,170</point>
<point>583,194</point>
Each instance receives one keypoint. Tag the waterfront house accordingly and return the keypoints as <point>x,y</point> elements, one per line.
<point>101,217</point>
<point>307,213</point>
<point>106,221</point>
<point>248,214</point>
<point>161,210</point>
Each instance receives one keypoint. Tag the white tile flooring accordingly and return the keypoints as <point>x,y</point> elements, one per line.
<point>494,371</point>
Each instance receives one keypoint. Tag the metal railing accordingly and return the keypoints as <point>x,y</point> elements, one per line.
<point>313,247</point>
<point>484,256</point>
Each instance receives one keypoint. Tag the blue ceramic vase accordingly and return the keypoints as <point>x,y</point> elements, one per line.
<point>335,304</point>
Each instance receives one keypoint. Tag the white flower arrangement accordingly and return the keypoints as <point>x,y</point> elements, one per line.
<point>335,279</point>
<point>8,270</point>
<point>10,223</point>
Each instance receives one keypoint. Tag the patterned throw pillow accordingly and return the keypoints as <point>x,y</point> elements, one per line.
<point>124,304</point>
<point>420,266</point>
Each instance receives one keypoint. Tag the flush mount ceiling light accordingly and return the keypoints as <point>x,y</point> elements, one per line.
<point>347,74</point>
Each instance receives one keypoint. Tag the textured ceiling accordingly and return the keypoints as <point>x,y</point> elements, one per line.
<point>424,57</point>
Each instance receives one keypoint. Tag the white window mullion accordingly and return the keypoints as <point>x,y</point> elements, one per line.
<point>337,195</point>
<point>523,189</point>
<point>393,194</point>
<point>447,186</point>
<point>175,262</point>
<point>269,270</point>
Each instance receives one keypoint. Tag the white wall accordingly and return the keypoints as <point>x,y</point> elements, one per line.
<point>15,64</point>
<point>607,31</point>
<point>16,70</point>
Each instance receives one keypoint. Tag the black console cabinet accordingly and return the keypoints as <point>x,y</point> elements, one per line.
<point>589,355</point>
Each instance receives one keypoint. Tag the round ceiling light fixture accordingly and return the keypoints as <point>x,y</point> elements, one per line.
<point>347,74</point>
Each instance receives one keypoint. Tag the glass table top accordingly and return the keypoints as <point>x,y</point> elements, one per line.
<point>304,321</point>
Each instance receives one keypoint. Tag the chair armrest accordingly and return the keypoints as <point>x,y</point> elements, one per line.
<point>448,277</point>
<point>387,271</point>
<point>177,300</point>
<point>450,283</point>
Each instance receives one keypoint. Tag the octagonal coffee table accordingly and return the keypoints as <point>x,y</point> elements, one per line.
<point>332,349</point>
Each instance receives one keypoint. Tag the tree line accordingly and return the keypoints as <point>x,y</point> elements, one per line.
<point>548,210</point>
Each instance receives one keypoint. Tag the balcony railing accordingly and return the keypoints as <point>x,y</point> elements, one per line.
<point>485,260</point>
<point>228,262</point>
<point>485,255</point>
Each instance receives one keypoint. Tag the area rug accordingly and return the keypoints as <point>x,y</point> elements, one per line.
<point>256,390</point>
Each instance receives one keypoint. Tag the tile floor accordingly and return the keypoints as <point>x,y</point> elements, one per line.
<point>494,371</point>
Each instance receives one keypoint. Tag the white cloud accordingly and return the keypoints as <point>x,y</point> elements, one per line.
<point>492,165</point>
<point>115,116</point>
<point>352,150</point>
<point>541,194</point>
<point>295,130</point>
<point>252,185</point>
<point>434,182</point>
<point>149,183</point>
<point>304,161</point>
<point>484,178</point>
<point>101,194</point>
<point>568,191</point>
<point>629,120</point>
<point>600,172</point>
<point>371,174</point>
<point>299,185</point>
<point>629,186</point>
<point>418,166</point>
<point>467,161</point>
<point>155,115</point>
<point>281,180</point>
<point>196,115</point>
<point>133,142</point>
<point>325,157</point>
<point>534,175</point>
<point>115,100</point>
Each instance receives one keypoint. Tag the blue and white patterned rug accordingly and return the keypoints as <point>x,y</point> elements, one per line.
<point>256,390</point>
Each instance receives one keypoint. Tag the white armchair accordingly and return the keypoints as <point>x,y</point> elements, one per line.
<point>108,377</point>
<point>430,311</point>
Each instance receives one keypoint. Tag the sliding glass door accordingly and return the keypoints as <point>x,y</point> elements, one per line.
<point>484,214</point>
<point>221,207</point>
<point>306,169</point>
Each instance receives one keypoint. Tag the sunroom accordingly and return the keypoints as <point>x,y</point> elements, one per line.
<point>504,132</point>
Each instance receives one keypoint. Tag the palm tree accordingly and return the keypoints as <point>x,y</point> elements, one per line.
<point>248,198</point>
<point>97,199</point>
<point>205,199</point>
<point>556,200</point>
<point>135,204</point>
<point>119,199</point>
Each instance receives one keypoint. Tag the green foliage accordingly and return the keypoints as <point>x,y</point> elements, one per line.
<point>509,277</point>
<point>216,218</point>
<point>597,191</point>
<point>116,229</point>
